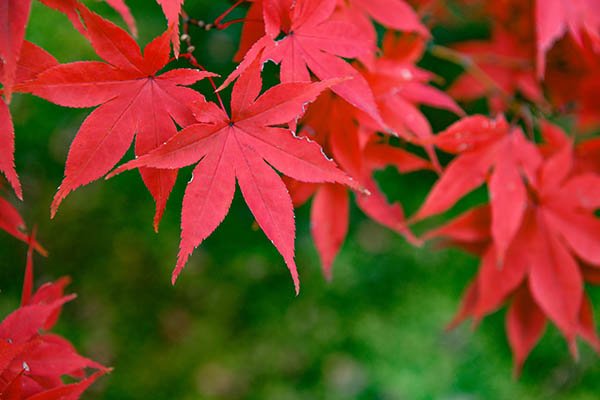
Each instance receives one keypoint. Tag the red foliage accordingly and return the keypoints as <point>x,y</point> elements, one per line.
<point>237,147</point>
<point>356,100</point>
<point>34,361</point>
<point>541,266</point>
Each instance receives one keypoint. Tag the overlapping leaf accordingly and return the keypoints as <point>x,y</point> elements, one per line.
<point>314,41</point>
<point>237,147</point>
<point>492,152</point>
<point>172,9</point>
<point>32,60</point>
<point>135,102</point>
<point>556,240</point>
<point>554,18</point>
<point>32,361</point>
<point>331,122</point>
<point>400,88</point>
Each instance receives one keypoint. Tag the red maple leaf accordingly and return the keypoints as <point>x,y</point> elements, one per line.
<point>134,99</point>
<point>253,29</point>
<point>400,87</point>
<point>238,147</point>
<point>7,149</point>
<point>32,361</point>
<point>172,9</point>
<point>554,18</point>
<point>331,121</point>
<point>488,151</point>
<point>14,15</point>
<point>315,39</point>
<point>545,264</point>
<point>330,208</point>
<point>350,137</point>
<point>32,60</point>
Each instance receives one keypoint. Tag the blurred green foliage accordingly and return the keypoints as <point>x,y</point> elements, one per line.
<point>232,328</point>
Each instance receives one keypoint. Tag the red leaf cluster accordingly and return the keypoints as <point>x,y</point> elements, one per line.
<point>381,93</point>
<point>350,102</point>
<point>34,361</point>
<point>135,102</point>
<point>538,239</point>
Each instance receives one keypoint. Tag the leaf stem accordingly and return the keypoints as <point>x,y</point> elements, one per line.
<point>192,60</point>
<point>216,24</point>
<point>218,21</point>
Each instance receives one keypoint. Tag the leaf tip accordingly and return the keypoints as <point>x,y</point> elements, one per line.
<point>18,190</point>
<point>60,195</point>
<point>573,349</point>
<point>181,261</point>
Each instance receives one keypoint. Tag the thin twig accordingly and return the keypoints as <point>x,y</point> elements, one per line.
<point>192,60</point>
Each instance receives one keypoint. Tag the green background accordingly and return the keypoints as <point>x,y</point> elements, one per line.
<point>232,328</point>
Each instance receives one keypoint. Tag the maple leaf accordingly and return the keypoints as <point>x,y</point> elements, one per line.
<point>488,151</point>
<point>33,361</point>
<point>7,149</point>
<point>330,208</point>
<point>14,15</point>
<point>349,135</point>
<point>253,29</point>
<point>400,87</point>
<point>331,122</point>
<point>32,60</point>
<point>172,9</point>
<point>555,17</point>
<point>135,102</point>
<point>314,40</point>
<point>469,231</point>
<point>238,147</point>
<point>543,268</point>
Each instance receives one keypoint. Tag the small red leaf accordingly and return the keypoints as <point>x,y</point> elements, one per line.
<point>525,325</point>
<point>329,223</point>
